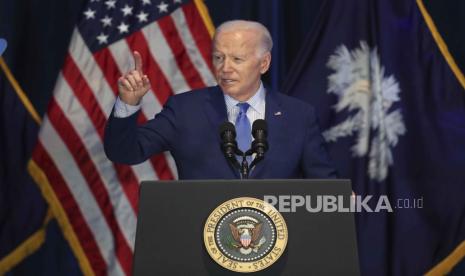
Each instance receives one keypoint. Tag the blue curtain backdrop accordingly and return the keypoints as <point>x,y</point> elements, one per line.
<point>38,33</point>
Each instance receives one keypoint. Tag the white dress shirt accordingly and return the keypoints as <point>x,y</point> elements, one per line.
<point>254,112</point>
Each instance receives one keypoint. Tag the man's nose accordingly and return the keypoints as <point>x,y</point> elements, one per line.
<point>227,66</point>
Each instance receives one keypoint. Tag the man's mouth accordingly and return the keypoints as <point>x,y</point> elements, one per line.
<point>228,81</point>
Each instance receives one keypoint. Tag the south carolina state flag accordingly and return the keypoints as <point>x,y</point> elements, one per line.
<point>391,103</point>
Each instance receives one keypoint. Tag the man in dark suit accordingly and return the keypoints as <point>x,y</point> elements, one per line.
<point>188,124</point>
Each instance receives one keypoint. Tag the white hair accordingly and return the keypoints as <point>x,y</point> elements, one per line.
<point>266,43</point>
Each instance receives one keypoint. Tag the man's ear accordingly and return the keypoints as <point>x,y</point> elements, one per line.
<point>265,63</point>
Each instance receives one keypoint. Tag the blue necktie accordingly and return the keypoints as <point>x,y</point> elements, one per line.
<point>243,129</point>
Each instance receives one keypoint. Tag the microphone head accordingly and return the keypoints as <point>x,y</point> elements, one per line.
<point>259,132</point>
<point>228,140</point>
<point>257,125</point>
<point>227,126</point>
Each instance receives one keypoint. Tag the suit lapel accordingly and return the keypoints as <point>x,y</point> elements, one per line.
<point>274,117</point>
<point>215,109</point>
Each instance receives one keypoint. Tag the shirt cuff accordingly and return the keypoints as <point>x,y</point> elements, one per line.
<point>123,110</point>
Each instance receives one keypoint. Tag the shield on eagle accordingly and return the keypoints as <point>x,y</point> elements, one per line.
<point>246,239</point>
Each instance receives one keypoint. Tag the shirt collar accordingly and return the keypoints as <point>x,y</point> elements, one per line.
<point>255,102</point>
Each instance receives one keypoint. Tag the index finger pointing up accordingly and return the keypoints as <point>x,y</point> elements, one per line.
<point>138,62</point>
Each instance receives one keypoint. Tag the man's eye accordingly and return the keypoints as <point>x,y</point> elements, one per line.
<point>218,58</point>
<point>238,59</point>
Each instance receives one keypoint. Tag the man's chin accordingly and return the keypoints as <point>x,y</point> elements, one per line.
<point>228,90</point>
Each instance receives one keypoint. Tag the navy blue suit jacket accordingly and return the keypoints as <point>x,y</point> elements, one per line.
<point>188,128</point>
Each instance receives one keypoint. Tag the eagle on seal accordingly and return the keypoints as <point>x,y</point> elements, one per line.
<point>246,232</point>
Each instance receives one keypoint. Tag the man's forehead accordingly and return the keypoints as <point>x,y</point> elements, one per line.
<point>239,39</point>
<point>237,34</point>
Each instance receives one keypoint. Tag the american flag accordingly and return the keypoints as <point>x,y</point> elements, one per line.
<point>95,200</point>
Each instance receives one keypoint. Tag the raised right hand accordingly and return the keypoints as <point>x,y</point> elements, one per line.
<point>133,85</point>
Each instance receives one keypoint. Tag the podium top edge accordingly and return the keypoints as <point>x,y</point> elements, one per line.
<point>196,181</point>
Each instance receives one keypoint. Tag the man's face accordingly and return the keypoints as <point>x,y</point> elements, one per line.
<point>238,63</point>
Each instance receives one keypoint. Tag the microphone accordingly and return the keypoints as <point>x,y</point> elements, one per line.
<point>228,140</point>
<point>259,133</point>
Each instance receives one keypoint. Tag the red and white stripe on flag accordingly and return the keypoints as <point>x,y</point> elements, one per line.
<point>98,197</point>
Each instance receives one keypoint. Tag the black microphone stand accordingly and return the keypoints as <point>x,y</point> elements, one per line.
<point>245,168</point>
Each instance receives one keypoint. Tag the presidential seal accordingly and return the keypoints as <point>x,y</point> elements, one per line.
<point>245,235</point>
